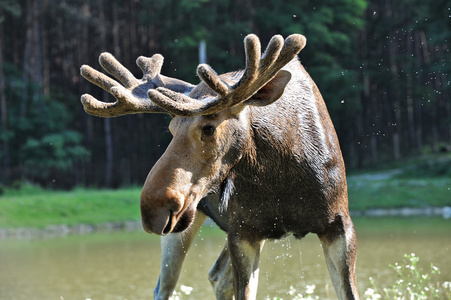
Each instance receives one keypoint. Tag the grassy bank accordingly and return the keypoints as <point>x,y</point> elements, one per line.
<point>31,206</point>
<point>34,207</point>
<point>367,192</point>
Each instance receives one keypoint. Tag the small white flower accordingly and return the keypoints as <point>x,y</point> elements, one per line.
<point>310,289</point>
<point>175,295</point>
<point>186,289</point>
<point>369,292</point>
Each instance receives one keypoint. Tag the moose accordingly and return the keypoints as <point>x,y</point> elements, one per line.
<point>254,149</point>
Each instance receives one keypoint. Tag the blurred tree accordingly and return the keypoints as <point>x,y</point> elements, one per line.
<point>45,150</point>
<point>406,98</point>
<point>382,67</point>
<point>13,8</point>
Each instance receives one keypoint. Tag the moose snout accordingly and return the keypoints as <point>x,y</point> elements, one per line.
<point>159,215</point>
<point>160,222</point>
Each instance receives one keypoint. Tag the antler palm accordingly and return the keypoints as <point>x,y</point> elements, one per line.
<point>130,93</point>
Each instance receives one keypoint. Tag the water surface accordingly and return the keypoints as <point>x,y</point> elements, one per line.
<point>125,265</point>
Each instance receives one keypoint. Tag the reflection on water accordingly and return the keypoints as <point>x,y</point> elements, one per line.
<point>126,265</point>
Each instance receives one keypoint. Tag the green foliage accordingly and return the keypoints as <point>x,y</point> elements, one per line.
<point>440,167</point>
<point>412,282</point>
<point>382,67</point>
<point>23,188</point>
<point>54,152</point>
<point>44,147</point>
<point>331,28</point>
<point>9,6</point>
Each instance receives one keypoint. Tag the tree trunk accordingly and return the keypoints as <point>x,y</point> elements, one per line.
<point>109,154</point>
<point>83,87</point>
<point>32,63</point>
<point>4,115</point>
<point>409,94</point>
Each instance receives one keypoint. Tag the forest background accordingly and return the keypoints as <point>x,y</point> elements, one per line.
<point>382,66</point>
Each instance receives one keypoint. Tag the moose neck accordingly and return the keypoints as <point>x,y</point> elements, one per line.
<point>294,133</point>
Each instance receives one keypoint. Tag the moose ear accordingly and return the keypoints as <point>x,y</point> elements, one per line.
<point>271,91</point>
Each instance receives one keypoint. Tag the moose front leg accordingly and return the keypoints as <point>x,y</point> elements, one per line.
<point>174,247</point>
<point>340,249</point>
<point>245,256</point>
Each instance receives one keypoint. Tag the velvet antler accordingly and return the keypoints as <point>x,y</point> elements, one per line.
<point>131,95</point>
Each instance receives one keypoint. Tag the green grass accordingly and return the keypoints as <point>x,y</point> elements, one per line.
<point>34,207</point>
<point>420,183</point>
<point>365,193</point>
<point>417,182</point>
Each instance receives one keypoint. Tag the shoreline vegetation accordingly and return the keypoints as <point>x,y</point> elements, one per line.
<point>28,211</point>
<point>61,230</point>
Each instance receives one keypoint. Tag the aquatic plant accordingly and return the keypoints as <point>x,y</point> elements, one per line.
<point>412,282</point>
<point>293,294</point>
<point>184,291</point>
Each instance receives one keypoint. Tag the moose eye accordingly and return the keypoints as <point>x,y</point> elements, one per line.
<point>208,130</point>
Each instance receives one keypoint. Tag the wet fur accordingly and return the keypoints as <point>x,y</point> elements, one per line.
<point>290,179</point>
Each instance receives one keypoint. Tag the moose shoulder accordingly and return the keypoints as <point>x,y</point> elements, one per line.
<point>261,136</point>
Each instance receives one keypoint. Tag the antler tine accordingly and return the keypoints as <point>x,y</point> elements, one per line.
<point>177,103</point>
<point>292,46</point>
<point>276,57</point>
<point>253,53</point>
<point>115,68</point>
<point>98,78</point>
<point>259,70</point>
<point>122,106</point>
<point>212,79</point>
<point>131,96</point>
<point>272,52</point>
<point>150,67</point>
<point>256,67</point>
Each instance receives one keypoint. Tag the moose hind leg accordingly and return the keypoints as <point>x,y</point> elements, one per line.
<point>340,249</point>
<point>221,276</point>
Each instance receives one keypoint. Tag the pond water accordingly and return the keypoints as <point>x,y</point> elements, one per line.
<point>125,265</point>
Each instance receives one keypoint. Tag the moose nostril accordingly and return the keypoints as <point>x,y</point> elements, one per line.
<point>168,227</point>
